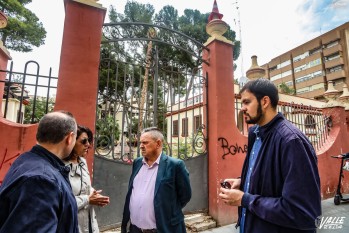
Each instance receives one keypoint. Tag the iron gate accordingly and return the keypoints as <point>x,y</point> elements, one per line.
<point>138,91</point>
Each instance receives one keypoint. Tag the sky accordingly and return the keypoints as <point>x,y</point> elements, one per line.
<point>266,28</point>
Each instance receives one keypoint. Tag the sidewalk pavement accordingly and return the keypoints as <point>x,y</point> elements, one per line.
<point>339,222</point>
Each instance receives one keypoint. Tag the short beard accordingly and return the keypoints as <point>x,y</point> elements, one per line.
<point>256,119</point>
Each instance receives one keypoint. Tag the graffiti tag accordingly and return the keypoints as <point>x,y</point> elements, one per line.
<point>5,161</point>
<point>233,149</point>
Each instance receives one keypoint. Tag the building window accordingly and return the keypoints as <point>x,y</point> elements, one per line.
<point>331,44</point>
<point>316,50</point>
<point>175,128</point>
<point>301,56</point>
<point>283,64</point>
<point>335,69</point>
<point>332,57</point>
<point>197,122</point>
<point>282,75</point>
<point>309,76</point>
<point>289,83</point>
<point>184,127</point>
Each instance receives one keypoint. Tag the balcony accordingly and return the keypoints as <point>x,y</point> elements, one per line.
<point>335,75</point>
<point>311,82</point>
<point>312,94</point>
<point>332,50</point>
<point>335,62</point>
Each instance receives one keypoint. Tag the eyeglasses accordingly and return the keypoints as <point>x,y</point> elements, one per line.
<point>84,141</point>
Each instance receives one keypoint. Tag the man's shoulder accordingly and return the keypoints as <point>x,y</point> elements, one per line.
<point>172,160</point>
<point>286,130</point>
<point>30,164</point>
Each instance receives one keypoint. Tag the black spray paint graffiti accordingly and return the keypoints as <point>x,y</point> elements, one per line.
<point>233,149</point>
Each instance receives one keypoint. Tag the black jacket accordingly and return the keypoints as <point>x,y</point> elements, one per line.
<point>36,196</point>
<point>284,193</point>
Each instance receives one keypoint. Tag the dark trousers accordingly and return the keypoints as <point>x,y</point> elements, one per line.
<point>135,229</point>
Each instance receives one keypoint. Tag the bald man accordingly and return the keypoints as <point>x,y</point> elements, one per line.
<point>35,195</point>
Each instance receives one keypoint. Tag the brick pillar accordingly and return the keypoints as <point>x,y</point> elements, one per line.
<point>79,62</point>
<point>226,145</point>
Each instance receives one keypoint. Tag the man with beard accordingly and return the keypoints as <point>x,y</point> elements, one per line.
<point>279,188</point>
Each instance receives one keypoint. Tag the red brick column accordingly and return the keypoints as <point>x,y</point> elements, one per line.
<point>226,145</point>
<point>336,143</point>
<point>78,71</point>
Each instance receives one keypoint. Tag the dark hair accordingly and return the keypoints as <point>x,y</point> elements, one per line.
<point>262,87</point>
<point>54,126</point>
<point>154,132</point>
<point>81,129</point>
<point>84,129</point>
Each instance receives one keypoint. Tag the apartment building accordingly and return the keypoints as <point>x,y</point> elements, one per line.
<point>308,68</point>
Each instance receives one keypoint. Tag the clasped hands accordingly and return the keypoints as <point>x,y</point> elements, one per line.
<point>232,196</point>
<point>96,198</point>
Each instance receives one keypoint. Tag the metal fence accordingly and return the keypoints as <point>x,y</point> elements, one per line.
<point>310,120</point>
<point>173,103</point>
<point>28,95</point>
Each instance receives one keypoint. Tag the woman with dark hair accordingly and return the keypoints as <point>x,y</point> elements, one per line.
<point>86,197</point>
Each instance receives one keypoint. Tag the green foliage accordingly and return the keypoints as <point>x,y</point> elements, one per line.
<point>107,131</point>
<point>286,89</point>
<point>192,23</point>
<point>42,106</point>
<point>24,29</point>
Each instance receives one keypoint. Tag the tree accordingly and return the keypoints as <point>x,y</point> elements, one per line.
<point>24,29</point>
<point>42,106</point>
<point>135,48</point>
<point>107,131</point>
<point>286,89</point>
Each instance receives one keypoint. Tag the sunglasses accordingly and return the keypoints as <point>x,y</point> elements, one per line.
<point>84,141</point>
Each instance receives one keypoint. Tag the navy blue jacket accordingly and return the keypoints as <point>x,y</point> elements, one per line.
<point>36,196</point>
<point>172,193</point>
<point>284,193</point>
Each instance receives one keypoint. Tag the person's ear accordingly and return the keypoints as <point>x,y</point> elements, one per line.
<point>265,102</point>
<point>70,138</point>
<point>158,142</point>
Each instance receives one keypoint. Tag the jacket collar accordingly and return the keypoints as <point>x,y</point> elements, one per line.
<point>265,129</point>
<point>51,158</point>
<point>161,171</point>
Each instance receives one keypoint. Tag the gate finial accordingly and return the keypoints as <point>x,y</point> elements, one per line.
<point>216,27</point>
<point>215,12</point>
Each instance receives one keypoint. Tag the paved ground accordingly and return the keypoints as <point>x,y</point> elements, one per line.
<point>339,214</point>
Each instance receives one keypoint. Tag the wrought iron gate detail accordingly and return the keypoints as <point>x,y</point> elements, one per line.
<point>173,103</point>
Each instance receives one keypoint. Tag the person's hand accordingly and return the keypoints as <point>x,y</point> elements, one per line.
<point>96,198</point>
<point>235,183</point>
<point>231,197</point>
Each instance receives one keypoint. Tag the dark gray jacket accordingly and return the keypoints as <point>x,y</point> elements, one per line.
<point>36,196</point>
